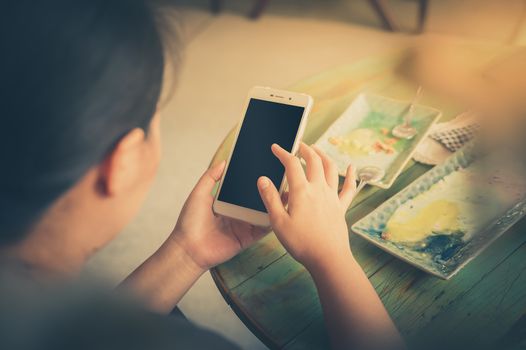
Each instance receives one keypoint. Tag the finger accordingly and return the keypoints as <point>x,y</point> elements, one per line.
<point>329,167</point>
<point>270,196</point>
<point>293,170</point>
<point>206,183</point>
<point>314,164</point>
<point>348,188</point>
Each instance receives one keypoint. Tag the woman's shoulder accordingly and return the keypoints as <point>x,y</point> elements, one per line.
<point>79,314</point>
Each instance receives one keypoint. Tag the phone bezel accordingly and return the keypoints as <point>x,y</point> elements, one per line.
<point>252,216</point>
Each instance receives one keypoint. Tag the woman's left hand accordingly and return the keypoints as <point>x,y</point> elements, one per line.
<point>209,239</point>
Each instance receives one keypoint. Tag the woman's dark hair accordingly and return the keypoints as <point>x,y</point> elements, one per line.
<point>75,76</point>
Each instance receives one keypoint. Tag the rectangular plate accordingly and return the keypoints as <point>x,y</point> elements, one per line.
<point>448,261</point>
<point>355,137</point>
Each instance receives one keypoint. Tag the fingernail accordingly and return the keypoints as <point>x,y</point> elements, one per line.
<point>263,183</point>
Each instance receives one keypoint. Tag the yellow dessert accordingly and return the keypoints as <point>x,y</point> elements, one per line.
<point>440,216</point>
<point>463,202</point>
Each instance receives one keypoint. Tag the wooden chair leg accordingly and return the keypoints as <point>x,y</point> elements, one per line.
<point>215,6</point>
<point>385,17</point>
<point>258,8</point>
<point>422,14</point>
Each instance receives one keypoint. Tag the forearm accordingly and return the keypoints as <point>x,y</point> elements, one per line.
<point>354,314</point>
<point>164,278</point>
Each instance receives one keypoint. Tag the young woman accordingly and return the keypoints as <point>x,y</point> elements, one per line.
<point>80,84</point>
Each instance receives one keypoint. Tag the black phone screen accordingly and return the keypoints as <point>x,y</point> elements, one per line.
<point>265,123</point>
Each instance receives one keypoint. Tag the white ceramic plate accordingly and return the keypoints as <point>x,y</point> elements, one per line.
<point>361,136</point>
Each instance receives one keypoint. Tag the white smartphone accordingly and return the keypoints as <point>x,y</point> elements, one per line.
<point>270,116</point>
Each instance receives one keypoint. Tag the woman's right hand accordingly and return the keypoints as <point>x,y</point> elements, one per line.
<point>313,227</point>
<point>314,232</point>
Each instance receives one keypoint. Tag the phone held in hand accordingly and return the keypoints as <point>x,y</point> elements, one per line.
<point>270,116</point>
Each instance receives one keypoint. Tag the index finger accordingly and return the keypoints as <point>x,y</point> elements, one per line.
<point>293,169</point>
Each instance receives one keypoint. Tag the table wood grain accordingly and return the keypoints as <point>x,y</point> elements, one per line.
<point>275,297</point>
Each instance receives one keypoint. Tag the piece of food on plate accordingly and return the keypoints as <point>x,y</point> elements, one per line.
<point>458,206</point>
<point>364,142</point>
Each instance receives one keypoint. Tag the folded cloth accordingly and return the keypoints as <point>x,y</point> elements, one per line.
<point>445,138</point>
<point>455,138</point>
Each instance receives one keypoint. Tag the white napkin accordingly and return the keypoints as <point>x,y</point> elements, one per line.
<point>445,138</point>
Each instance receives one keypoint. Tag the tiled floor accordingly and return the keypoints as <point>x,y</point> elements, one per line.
<point>227,54</point>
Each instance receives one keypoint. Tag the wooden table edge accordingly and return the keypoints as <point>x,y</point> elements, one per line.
<point>240,313</point>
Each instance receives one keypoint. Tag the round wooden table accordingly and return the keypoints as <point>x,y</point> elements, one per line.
<point>275,296</point>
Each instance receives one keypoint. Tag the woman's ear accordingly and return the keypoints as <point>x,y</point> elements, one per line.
<point>121,170</point>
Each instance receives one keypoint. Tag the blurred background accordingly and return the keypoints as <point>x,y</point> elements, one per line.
<point>232,45</point>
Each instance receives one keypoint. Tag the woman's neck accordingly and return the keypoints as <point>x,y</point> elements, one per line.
<point>41,255</point>
<point>62,240</point>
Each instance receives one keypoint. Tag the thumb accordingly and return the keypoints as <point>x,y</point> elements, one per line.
<point>209,179</point>
<point>271,198</point>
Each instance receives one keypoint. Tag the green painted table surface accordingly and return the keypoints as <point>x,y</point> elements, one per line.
<point>276,299</point>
